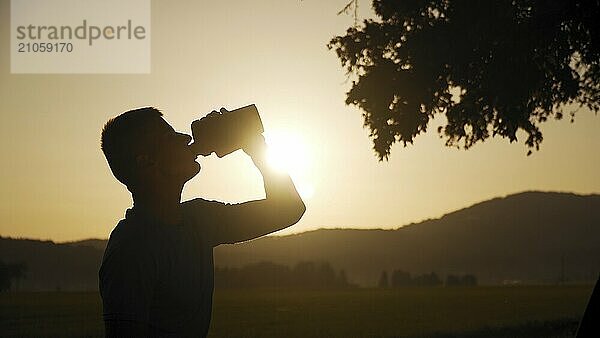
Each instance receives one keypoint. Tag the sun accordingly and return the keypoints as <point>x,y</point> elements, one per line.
<point>288,152</point>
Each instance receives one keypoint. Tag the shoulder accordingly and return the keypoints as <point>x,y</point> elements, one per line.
<point>202,207</point>
<point>206,217</point>
<point>128,246</point>
<point>202,203</point>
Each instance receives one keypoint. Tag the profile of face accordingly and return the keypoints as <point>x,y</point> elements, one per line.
<point>168,154</point>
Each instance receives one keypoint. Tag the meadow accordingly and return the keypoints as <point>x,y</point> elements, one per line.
<point>522,311</point>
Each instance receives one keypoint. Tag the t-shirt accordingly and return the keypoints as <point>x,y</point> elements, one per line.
<point>162,275</point>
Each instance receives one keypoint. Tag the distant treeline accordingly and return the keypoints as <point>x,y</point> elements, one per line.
<point>268,274</point>
<point>11,272</point>
<point>401,278</point>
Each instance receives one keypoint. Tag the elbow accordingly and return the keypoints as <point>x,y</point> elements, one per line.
<point>298,211</point>
<point>287,211</point>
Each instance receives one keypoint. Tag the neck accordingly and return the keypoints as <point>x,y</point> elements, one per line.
<point>161,202</point>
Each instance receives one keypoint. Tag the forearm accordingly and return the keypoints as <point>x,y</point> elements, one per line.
<point>281,208</point>
<point>282,199</point>
<point>280,190</point>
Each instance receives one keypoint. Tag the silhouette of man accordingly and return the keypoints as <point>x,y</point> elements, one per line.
<point>156,277</point>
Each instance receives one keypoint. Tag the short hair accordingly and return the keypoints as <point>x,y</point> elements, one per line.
<point>120,141</point>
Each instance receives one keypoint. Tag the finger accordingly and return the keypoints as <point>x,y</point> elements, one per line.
<point>259,138</point>
<point>213,113</point>
<point>223,110</point>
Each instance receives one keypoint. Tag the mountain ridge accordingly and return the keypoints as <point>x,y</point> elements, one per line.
<point>532,236</point>
<point>88,241</point>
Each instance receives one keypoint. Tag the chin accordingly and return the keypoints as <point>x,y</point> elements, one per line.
<point>185,172</point>
<point>194,170</point>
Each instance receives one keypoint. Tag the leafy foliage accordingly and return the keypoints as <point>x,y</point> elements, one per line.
<point>491,67</point>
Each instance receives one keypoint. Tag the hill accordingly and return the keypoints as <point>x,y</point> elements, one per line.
<point>533,237</point>
<point>53,266</point>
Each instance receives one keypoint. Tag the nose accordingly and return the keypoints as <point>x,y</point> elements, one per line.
<point>186,137</point>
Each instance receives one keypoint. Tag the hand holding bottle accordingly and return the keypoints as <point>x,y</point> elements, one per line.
<point>256,148</point>
<point>227,131</point>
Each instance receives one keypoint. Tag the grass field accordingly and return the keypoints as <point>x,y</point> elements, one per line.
<point>534,311</point>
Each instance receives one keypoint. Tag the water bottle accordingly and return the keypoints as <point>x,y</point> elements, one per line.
<point>224,133</point>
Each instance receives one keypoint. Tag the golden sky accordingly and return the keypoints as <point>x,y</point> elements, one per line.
<point>55,183</point>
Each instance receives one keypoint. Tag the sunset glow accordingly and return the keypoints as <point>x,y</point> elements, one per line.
<point>288,152</point>
<point>57,184</point>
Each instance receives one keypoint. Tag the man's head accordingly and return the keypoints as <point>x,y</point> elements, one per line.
<point>141,148</point>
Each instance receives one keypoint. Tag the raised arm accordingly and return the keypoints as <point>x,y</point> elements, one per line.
<point>281,208</point>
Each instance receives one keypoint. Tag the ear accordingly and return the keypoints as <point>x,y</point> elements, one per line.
<point>144,161</point>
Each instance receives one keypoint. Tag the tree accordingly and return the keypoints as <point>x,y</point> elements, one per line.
<point>401,278</point>
<point>491,67</point>
<point>269,274</point>
<point>383,280</point>
<point>5,277</point>
<point>464,280</point>
<point>453,280</point>
<point>342,280</point>
<point>428,279</point>
<point>8,272</point>
<point>469,280</point>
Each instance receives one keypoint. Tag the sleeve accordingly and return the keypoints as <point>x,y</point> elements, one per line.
<point>224,223</point>
<point>127,282</point>
<point>208,218</point>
